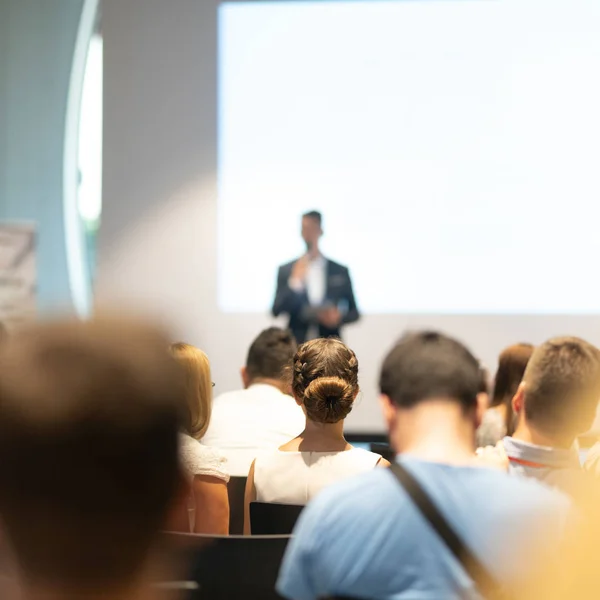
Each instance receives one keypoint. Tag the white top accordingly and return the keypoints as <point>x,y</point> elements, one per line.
<point>247,422</point>
<point>315,282</point>
<point>198,459</point>
<point>295,477</point>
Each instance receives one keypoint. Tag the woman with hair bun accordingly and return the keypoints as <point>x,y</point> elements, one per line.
<point>324,380</point>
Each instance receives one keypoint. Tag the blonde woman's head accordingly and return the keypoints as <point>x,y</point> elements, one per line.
<point>198,388</point>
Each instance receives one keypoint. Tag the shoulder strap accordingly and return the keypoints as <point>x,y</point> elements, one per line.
<point>483,579</point>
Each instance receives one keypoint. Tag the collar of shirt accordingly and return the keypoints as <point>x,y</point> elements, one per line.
<point>540,456</point>
<point>318,262</point>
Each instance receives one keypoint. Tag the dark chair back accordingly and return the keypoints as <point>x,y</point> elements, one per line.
<point>227,567</point>
<point>383,450</point>
<point>273,519</point>
<point>236,489</point>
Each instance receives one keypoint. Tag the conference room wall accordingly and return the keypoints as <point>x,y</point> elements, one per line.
<point>37,41</point>
<point>157,243</point>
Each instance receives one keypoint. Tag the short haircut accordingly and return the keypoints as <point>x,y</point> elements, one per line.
<point>314,214</point>
<point>270,353</point>
<point>198,387</point>
<point>562,386</point>
<point>427,365</point>
<point>89,469</point>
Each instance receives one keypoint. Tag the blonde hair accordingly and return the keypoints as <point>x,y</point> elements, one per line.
<point>198,386</point>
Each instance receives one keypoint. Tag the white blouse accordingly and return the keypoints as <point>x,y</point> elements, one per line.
<point>198,459</point>
<point>295,477</point>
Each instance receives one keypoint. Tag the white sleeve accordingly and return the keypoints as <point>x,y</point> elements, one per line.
<point>202,460</point>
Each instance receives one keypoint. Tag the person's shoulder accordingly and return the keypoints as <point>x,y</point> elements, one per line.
<point>365,455</point>
<point>199,459</point>
<point>227,397</point>
<point>288,265</point>
<point>349,497</point>
<point>267,462</point>
<point>531,492</point>
<point>336,266</point>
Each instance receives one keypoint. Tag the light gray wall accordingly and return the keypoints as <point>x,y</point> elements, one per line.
<point>157,245</point>
<point>37,39</point>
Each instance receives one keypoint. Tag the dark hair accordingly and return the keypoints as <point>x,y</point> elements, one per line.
<point>89,421</point>
<point>426,365</point>
<point>484,380</point>
<point>313,214</point>
<point>270,353</point>
<point>562,386</point>
<point>325,378</point>
<point>511,367</point>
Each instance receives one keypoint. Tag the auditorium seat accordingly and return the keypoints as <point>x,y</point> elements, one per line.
<point>236,489</point>
<point>272,519</point>
<point>226,567</point>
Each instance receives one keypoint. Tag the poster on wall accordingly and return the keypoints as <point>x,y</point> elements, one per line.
<point>18,273</point>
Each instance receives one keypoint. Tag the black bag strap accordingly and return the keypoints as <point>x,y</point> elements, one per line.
<point>483,579</point>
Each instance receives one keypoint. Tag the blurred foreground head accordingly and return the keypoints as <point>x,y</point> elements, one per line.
<point>89,417</point>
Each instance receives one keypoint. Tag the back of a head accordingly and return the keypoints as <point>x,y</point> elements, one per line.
<point>89,417</point>
<point>198,386</point>
<point>270,353</point>
<point>511,367</point>
<point>562,386</point>
<point>325,378</point>
<point>429,365</point>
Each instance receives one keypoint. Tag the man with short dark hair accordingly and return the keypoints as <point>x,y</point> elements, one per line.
<point>89,467</point>
<point>315,292</point>
<point>263,415</point>
<point>366,538</point>
<point>555,403</point>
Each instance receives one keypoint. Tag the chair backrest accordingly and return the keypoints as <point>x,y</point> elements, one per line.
<point>228,567</point>
<point>235,490</point>
<point>272,519</point>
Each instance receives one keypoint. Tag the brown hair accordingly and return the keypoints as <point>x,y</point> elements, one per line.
<point>89,422</point>
<point>325,378</point>
<point>562,386</point>
<point>198,386</point>
<point>511,367</point>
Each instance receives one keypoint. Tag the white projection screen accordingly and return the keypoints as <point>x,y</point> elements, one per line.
<point>453,147</point>
<point>445,142</point>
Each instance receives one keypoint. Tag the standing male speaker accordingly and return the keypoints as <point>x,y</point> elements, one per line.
<point>315,292</point>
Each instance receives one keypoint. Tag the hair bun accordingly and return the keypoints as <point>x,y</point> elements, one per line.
<point>328,399</point>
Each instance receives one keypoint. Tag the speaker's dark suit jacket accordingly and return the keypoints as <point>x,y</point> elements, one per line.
<point>338,292</point>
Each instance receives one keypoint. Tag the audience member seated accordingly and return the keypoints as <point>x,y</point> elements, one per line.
<point>555,403</point>
<point>205,467</point>
<point>263,415</point>
<point>89,468</point>
<point>325,383</point>
<point>498,420</point>
<point>365,538</point>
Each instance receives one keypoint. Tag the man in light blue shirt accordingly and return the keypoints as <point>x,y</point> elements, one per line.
<point>365,538</point>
